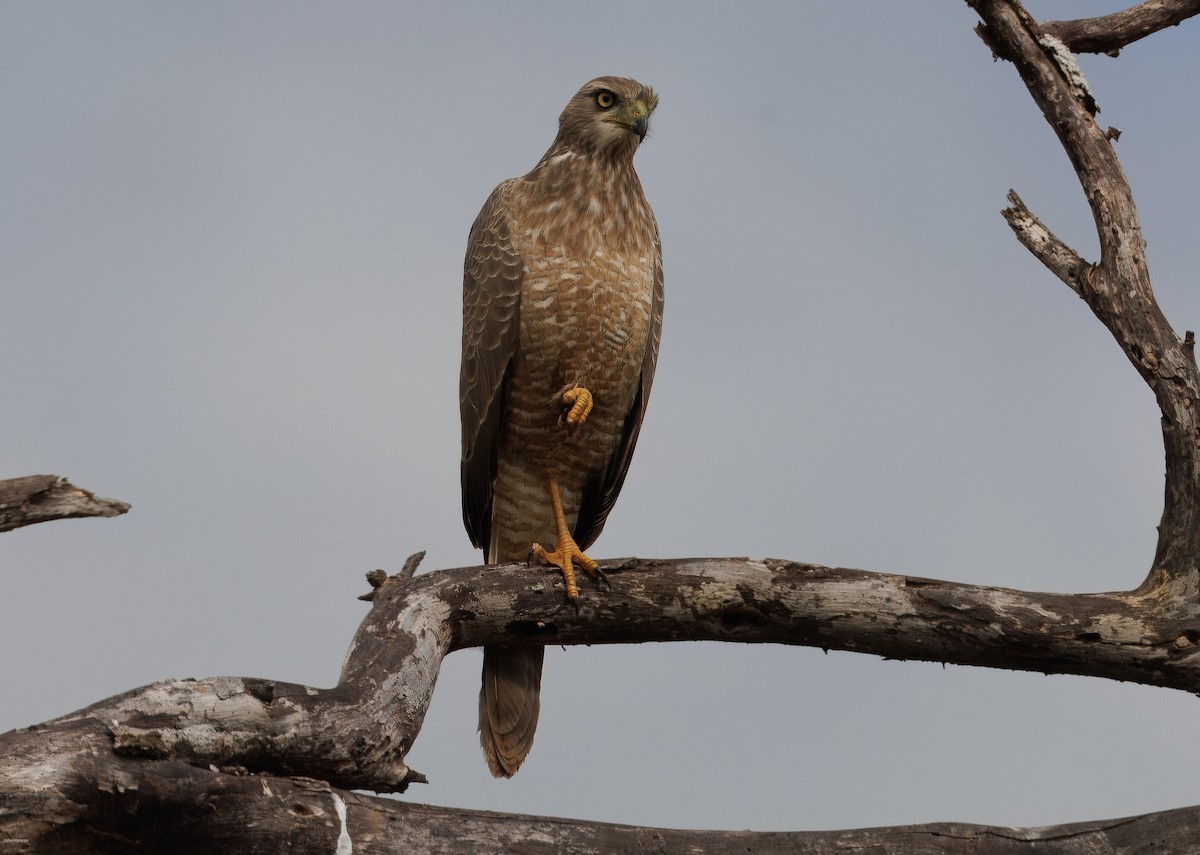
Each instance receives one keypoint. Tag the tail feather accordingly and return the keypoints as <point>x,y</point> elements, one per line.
<point>509,701</point>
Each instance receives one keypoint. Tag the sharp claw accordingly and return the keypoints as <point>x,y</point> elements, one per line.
<point>601,576</point>
<point>577,404</point>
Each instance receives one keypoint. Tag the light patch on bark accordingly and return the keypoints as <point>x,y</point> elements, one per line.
<point>344,844</point>
<point>1116,629</point>
<point>1070,67</point>
<point>1011,604</point>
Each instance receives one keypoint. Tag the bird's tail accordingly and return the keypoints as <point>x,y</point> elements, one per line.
<point>508,705</point>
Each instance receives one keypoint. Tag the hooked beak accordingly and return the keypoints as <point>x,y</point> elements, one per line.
<point>636,116</point>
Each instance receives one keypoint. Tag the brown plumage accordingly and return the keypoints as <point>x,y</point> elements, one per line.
<point>562,292</point>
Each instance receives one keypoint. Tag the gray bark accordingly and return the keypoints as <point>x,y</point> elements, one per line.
<point>137,806</point>
<point>42,498</point>
<point>144,763</point>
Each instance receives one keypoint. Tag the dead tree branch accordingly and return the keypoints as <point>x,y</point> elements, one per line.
<point>357,735</point>
<point>1059,259</point>
<point>1117,289</point>
<point>165,807</point>
<point>1109,33</point>
<point>42,498</point>
<point>158,746</point>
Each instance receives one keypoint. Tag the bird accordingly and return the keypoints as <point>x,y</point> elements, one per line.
<point>562,318</point>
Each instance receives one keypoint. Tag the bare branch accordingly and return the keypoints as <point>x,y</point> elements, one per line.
<point>155,806</point>
<point>1109,33</point>
<point>357,734</point>
<point>1046,246</point>
<point>1118,288</point>
<point>155,752</point>
<point>42,498</point>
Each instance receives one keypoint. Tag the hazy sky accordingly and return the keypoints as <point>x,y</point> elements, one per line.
<point>231,240</point>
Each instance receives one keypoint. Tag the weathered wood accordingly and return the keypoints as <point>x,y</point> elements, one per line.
<point>1117,288</point>
<point>41,498</point>
<point>357,734</point>
<point>136,807</point>
<point>1109,33</point>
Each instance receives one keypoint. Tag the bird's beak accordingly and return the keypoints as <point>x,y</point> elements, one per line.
<point>636,116</point>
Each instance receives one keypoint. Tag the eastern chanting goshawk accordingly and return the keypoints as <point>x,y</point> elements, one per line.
<point>562,314</point>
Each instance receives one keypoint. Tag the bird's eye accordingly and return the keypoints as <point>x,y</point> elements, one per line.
<point>605,99</point>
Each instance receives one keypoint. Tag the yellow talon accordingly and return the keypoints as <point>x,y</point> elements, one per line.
<point>567,553</point>
<point>564,558</point>
<point>579,400</point>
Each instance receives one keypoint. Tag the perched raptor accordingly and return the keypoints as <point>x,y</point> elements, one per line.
<point>562,311</point>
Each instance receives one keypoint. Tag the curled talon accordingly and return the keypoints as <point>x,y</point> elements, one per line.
<point>577,404</point>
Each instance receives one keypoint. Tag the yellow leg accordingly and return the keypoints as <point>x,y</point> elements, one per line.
<point>577,403</point>
<point>567,553</point>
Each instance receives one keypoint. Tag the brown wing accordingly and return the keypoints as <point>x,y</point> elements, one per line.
<point>600,493</point>
<point>492,277</point>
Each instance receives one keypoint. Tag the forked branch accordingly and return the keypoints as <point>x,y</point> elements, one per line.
<point>1117,288</point>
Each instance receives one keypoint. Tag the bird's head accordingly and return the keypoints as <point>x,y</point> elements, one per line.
<point>608,115</point>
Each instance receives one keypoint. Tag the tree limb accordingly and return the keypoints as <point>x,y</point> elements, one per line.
<point>42,498</point>
<point>1047,247</point>
<point>165,807</point>
<point>357,734</point>
<point>1109,33</point>
<point>1118,288</point>
<point>157,746</point>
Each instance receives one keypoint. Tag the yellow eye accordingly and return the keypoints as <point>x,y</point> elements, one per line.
<point>605,99</point>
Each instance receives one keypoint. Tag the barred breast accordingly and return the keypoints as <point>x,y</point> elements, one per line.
<point>584,322</point>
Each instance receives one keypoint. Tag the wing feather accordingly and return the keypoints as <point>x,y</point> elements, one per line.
<point>600,493</point>
<point>492,275</point>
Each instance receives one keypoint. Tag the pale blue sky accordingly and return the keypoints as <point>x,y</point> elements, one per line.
<point>231,238</point>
